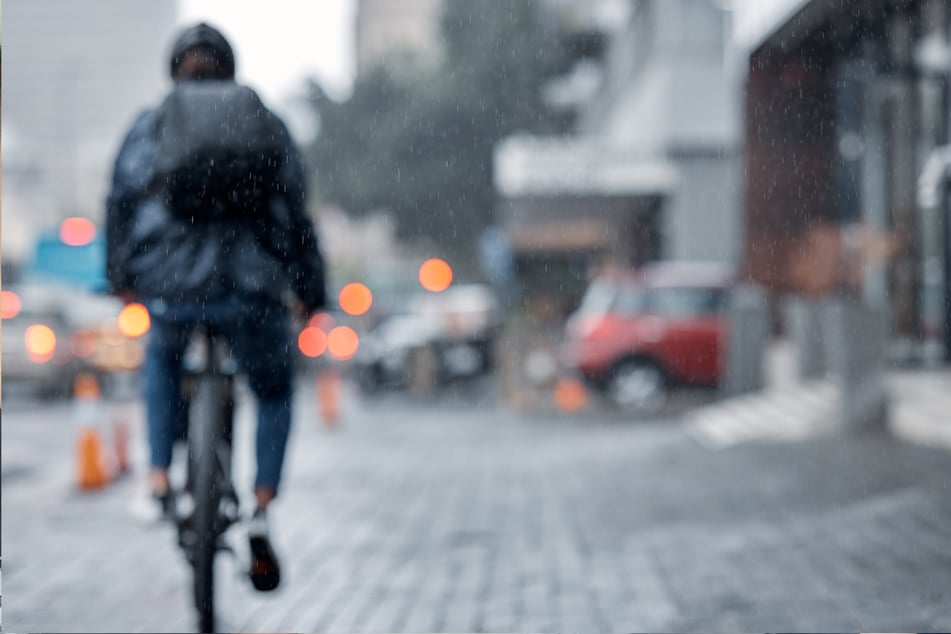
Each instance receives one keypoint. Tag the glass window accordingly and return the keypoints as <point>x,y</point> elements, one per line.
<point>631,300</point>
<point>599,298</point>
<point>685,302</point>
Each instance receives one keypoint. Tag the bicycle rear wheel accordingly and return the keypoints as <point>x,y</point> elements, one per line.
<point>207,434</point>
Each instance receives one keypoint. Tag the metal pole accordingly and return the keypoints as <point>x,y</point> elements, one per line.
<point>939,16</point>
<point>946,212</point>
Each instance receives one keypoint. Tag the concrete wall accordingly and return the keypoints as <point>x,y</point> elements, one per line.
<point>703,219</point>
<point>669,93</point>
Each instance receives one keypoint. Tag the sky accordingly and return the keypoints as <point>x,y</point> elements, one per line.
<point>280,42</point>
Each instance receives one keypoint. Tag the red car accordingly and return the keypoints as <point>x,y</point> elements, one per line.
<point>638,333</point>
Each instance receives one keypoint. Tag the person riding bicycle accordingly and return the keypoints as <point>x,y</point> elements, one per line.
<point>235,271</point>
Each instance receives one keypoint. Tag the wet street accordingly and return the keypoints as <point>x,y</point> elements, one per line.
<point>459,516</point>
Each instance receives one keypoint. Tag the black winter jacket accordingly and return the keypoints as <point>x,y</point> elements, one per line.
<point>153,254</point>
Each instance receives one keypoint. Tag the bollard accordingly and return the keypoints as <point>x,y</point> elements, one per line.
<point>858,333</point>
<point>804,325</point>
<point>746,340</point>
<point>423,370</point>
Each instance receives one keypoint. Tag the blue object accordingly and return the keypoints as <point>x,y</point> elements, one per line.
<point>83,266</point>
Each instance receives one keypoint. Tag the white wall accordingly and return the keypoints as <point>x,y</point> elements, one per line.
<point>757,19</point>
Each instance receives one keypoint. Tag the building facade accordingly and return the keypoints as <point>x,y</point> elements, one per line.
<point>74,76</point>
<point>847,113</point>
<point>396,31</point>
<point>660,124</point>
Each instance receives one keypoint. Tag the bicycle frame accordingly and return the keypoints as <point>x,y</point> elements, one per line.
<point>208,387</point>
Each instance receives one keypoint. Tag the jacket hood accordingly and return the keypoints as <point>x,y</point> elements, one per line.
<point>203,35</point>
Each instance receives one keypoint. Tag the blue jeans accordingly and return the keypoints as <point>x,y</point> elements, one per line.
<point>259,334</point>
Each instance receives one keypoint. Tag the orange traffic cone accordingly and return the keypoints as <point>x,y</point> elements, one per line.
<point>92,465</point>
<point>570,395</point>
<point>328,396</point>
<point>92,473</point>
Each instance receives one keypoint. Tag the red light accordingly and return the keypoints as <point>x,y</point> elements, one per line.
<point>77,232</point>
<point>10,305</point>
<point>312,342</point>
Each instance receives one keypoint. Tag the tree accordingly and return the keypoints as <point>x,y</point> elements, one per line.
<point>420,145</point>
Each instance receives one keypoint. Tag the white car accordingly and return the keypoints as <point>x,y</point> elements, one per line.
<point>83,328</point>
<point>457,326</point>
<point>36,346</point>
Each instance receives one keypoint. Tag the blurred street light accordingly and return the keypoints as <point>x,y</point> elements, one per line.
<point>343,343</point>
<point>312,342</point>
<point>355,299</point>
<point>40,342</point>
<point>77,232</point>
<point>435,275</point>
<point>134,320</point>
<point>10,305</point>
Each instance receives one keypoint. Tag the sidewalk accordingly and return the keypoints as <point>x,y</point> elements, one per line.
<point>921,406</point>
<point>790,409</point>
<point>453,517</point>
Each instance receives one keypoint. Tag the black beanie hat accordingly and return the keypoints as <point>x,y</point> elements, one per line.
<point>205,37</point>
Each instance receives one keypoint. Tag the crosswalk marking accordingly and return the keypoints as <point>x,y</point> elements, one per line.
<point>785,415</point>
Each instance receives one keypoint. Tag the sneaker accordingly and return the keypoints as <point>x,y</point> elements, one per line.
<point>153,508</point>
<point>265,570</point>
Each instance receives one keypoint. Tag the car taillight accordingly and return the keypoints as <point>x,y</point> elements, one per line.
<point>10,304</point>
<point>134,320</point>
<point>312,342</point>
<point>40,343</point>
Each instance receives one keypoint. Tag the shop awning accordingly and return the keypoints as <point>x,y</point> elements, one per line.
<point>579,235</point>
<point>533,166</point>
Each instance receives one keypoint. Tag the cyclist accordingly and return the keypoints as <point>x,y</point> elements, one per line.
<point>235,272</point>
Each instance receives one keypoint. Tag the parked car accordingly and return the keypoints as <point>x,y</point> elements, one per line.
<point>84,326</point>
<point>458,327</point>
<point>36,346</point>
<point>639,333</point>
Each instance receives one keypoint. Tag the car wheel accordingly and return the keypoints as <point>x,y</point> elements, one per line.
<point>638,385</point>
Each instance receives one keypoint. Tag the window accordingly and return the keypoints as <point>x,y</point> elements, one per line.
<point>685,302</point>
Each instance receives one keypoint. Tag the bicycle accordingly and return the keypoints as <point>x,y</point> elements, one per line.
<point>208,387</point>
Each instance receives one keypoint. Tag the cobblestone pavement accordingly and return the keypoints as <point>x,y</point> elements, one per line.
<point>456,516</point>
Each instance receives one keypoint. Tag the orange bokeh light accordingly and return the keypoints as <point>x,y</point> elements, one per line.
<point>40,342</point>
<point>343,343</point>
<point>324,321</point>
<point>10,305</point>
<point>435,275</point>
<point>134,320</point>
<point>355,299</point>
<point>312,342</point>
<point>77,232</point>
